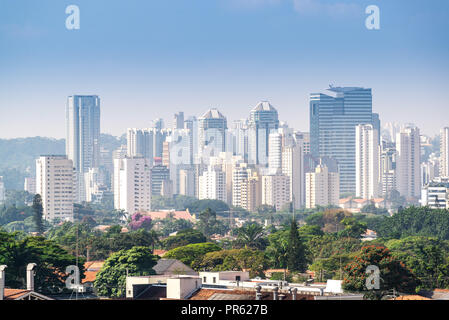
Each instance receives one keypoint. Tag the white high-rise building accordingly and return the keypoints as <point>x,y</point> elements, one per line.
<point>83,136</point>
<point>444,151</point>
<point>275,152</point>
<point>187,182</point>
<point>322,187</point>
<point>262,121</point>
<point>430,170</point>
<point>239,180</point>
<point>95,180</point>
<point>140,143</point>
<point>56,184</point>
<point>132,184</point>
<point>30,185</point>
<point>408,165</point>
<point>179,152</point>
<point>212,184</point>
<point>436,194</point>
<point>388,159</point>
<point>367,161</point>
<point>275,190</point>
<point>2,191</point>
<point>241,137</point>
<point>293,167</point>
<point>212,127</point>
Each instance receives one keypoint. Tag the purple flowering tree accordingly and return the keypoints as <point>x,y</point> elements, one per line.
<point>139,221</point>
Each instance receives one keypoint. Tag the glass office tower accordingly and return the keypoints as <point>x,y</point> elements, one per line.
<point>263,120</point>
<point>333,119</point>
<point>83,136</point>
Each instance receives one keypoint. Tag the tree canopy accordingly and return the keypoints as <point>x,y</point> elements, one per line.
<point>111,280</point>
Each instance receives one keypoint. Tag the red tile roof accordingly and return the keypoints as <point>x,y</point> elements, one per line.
<point>411,297</point>
<point>92,268</point>
<point>159,252</point>
<point>164,214</point>
<point>12,294</point>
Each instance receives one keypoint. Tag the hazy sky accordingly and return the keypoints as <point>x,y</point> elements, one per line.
<point>149,59</point>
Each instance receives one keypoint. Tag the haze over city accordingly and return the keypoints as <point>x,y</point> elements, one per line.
<point>151,59</point>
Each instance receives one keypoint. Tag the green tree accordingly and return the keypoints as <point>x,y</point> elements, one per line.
<point>212,204</point>
<point>393,273</point>
<point>50,258</point>
<point>427,257</point>
<point>111,280</point>
<point>352,228</point>
<point>296,250</point>
<point>38,212</point>
<point>154,238</point>
<point>189,253</point>
<point>251,236</point>
<point>416,221</point>
<point>208,223</point>
<point>232,260</point>
<point>183,238</point>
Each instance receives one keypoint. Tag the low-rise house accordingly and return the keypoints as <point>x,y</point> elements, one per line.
<point>20,294</point>
<point>173,267</point>
<point>369,235</point>
<point>91,269</point>
<point>163,214</point>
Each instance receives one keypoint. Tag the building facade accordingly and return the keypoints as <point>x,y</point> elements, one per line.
<point>322,187</point>
<point>408,165</point>
<point>332,128</point>
<point>275,190</point>
<point>444,152</point>
<point>55,182</point>
<point>132,184</point>
<point>263,120</point>
<point>83,136</point>
<point>367,161</point>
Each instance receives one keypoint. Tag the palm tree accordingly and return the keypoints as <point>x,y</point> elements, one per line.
<point>251,235</point>
<point>154,238</point>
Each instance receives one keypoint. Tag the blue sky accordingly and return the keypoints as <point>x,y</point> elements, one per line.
<point>149,59</point>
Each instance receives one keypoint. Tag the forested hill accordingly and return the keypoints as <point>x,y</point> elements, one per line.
<point>18,156</point>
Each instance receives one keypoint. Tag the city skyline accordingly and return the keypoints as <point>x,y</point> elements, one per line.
<point>148,67</point>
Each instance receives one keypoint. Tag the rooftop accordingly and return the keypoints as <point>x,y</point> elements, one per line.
<point>213,114</point>
<point>264,106</point>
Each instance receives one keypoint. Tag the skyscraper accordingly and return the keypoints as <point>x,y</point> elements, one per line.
<point>132,184</point>
<point>322,187</point>
<point>2,191</point>
<point>275,190</point>
<point>55,184</point>
<point>388,174</point>
<point>293,167</point>
<point>408,145</point>
<point>367,161</point>
<point>332,128</point>
<point>178,120</point>
<point>444,151</point>
<point>241,138</point>
<point>262,121</point>
<point>275,152</point>
<point>212,128</point>
<point>212,184</point>
<point>83,136</point>
<point>140,143</point>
